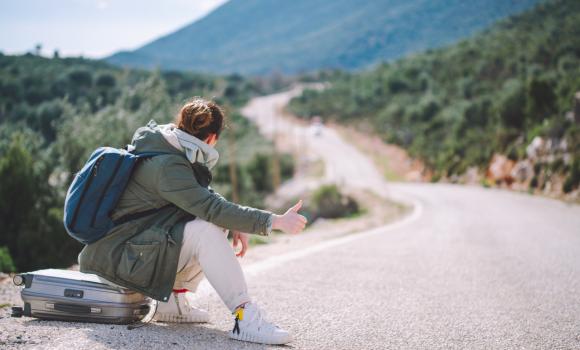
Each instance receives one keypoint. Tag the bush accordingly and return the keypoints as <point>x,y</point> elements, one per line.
<point>6,263</point>
<point>80,78</point>
<point>568,187</point>
<point>534,182</point>
<point>330,203</point>
<point>573,180</point>
<point>260,169</point>
<point>511,104</point>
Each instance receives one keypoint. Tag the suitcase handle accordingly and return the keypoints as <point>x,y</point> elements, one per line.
<point>72,308</point>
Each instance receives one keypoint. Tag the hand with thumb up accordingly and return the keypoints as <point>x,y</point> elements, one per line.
<point>291,221</point>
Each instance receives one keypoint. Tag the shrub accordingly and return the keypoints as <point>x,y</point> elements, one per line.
<point>567,187</point>
<point>330,203</point>
<point>534,182</point>
<point>511,104</point>
<point>260,171</point>
<point>6,263</point>
<point>106,81</point>
<point>80,78</point>
<point>573,179</point>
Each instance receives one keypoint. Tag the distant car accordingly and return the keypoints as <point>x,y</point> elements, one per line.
<point>316,126</point>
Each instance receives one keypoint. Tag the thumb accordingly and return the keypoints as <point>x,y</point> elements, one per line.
<point>297,206</point>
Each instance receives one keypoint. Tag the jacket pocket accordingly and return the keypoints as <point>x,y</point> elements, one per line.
<point>138,263</point>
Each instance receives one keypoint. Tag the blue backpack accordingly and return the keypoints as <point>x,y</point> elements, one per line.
<point>95,191</point>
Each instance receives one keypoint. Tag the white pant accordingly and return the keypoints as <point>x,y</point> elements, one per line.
<point>206,251</point>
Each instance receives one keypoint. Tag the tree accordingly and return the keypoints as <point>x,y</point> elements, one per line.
<point>38,49</point>
<point>511,105</point>
<point>541,101</point>
<point>19,192</point>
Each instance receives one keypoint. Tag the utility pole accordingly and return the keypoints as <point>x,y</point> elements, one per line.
<point>276,178</point>
<point>577,107</point>
<point>232,165</point>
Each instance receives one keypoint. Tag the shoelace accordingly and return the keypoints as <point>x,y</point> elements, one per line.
<point>181,298</point>
<point>259,319</point>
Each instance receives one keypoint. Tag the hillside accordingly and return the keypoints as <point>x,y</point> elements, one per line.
<point>265,36</point>
<point>495,93</point>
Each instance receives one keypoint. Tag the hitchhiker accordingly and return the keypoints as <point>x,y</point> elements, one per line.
<point>167,253</point>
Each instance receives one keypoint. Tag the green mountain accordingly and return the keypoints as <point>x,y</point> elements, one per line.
<point>494,93</point>
<point>265,36</point>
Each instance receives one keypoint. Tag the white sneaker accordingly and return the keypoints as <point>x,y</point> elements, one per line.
<point>179,310</point>
<point>251,326</point>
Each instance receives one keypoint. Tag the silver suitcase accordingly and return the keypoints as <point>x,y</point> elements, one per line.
<point>75,296</point>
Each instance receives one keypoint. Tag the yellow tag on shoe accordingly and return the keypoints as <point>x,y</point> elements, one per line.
<point>239,313</point>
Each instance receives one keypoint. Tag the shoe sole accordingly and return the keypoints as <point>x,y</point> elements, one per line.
<point>171,318</point>
<point>243,336</point>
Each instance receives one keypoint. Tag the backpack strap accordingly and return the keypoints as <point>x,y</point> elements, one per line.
<point>134,216</point>
<point>131,149</point>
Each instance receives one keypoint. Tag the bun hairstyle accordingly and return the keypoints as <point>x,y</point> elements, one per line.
<point>200,117</point>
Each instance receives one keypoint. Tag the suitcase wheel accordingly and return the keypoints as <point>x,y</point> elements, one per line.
<point>18,280</point>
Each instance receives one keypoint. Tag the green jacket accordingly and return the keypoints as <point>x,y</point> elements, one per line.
<point>142,254</point>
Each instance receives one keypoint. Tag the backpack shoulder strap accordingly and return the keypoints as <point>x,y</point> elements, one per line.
<point>131,149</point>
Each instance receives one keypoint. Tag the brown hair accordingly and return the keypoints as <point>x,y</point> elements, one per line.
<point>200,117</point>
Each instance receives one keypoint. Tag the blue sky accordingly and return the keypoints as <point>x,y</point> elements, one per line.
<point>92,28</point>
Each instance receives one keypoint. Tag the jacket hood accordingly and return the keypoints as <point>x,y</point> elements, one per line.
<point>168,139</point>
<point>150,139</point>
<point>196,150</point>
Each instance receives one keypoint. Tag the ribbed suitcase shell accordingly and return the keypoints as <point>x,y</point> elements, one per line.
<point>79,297</point>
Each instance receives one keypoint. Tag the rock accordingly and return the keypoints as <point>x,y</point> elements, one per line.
<point>454,179</point>
<point>567,157</point>
<point>500,169</point>
<point>535,148</point>
<point>414,176</point>
<point>522,171</point>
<point>563,146</point>
<point>472,175</point>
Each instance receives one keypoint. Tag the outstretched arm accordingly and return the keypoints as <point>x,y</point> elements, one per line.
<point>177,184</point>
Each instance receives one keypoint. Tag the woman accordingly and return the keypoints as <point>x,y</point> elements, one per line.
<point>174,227</point>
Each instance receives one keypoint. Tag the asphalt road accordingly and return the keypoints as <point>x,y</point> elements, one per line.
<point>470,268</point>
<point>477,269</point>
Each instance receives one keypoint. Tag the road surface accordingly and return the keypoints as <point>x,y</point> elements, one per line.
<point>470,268</point>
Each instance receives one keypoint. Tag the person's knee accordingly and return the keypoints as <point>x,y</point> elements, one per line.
<point>199,225</point>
